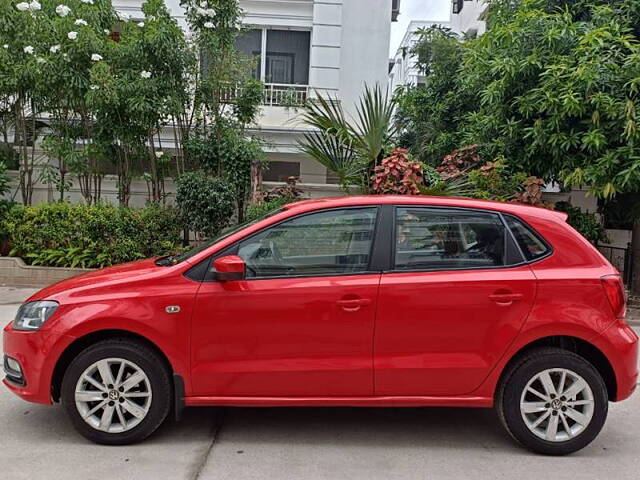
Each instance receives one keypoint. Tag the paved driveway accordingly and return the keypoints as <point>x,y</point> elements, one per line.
<point>37,442</point>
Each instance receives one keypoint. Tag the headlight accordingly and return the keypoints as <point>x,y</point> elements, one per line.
<point>32,315</point>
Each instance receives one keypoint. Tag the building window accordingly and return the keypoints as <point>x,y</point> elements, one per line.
<point>286,58</point>
<point>457,6</point>
<point>281,171</point>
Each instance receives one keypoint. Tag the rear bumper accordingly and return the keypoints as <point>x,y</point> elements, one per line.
<point>620,344</point>
<point>37,353</point>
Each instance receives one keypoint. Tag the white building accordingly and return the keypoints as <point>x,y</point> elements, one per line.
<point>306,47</point>
<point>468,17</point>
<point>403,68</point>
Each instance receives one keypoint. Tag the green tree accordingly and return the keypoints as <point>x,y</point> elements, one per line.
<point>553,87</point>
<point>350,147</point>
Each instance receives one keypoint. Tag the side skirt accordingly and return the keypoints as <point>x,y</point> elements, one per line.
<point>386,401</point>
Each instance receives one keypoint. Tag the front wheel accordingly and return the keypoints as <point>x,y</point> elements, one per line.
<point>116,392</point>
<point>553,401</point>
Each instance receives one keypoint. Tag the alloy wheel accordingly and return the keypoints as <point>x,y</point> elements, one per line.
<point>557,405</point>
<point>113,395</point>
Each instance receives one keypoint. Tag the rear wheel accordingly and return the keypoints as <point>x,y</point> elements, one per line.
<point>553,401</point>
<point>117,392</point>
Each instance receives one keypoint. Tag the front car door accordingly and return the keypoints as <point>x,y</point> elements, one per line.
<point>457,295</point>
<point>301,323</point>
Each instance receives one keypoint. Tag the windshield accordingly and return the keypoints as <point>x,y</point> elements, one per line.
<point>227,232</point>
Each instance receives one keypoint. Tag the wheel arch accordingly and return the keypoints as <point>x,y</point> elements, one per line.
<point>577,345</point>
<point>81,343</point>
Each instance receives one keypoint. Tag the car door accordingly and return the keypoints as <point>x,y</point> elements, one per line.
<point>301,322</point>
<point>456,296</point>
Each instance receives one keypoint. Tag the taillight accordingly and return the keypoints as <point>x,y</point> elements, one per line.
<point>614,290</point>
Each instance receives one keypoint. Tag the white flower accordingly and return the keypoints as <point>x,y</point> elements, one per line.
<point>54,49</point>
<point>145,74</point>
<point>159,154</point>
<point>107,31</point>
<point>5,46</point>
<point>90,2</point>
<point>72,35</point>
<point>80,21</point>
<point>34,6</point>
<point>141,24</point>
<point>28,49</point>
<point>22,6</point>
<point>93,87</point>
<point>63,10</point>
<point>208,25</point>
<point>201,11</point>
<point>40,60</point>
<point>65,56</point>
<point>96,57</point>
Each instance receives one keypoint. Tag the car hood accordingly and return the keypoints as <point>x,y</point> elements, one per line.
<point>116,275</point>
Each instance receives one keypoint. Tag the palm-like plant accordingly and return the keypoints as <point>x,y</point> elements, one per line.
<point>350,147</point>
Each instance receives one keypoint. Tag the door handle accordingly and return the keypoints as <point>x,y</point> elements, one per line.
<point>506,298</point>
<point>354,304</point>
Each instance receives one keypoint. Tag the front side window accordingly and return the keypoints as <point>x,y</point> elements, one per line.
<point>433,239</point>
<point>324,243</point>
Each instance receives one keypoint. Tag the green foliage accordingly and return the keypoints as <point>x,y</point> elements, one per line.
<point>65,235</point>
<point>588,224</point>
<point>495,181</point>
<point>553,87</point>
<point>351,148</point>
<point>429,116</point>
<point>206,203</point>
<point>257,210</point>
<point>226,152</point>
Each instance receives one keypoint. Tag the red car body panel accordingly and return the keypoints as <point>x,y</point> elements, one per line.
<point>381,338</point>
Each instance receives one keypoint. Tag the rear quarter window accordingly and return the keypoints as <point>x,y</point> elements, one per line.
<point>532,245</point>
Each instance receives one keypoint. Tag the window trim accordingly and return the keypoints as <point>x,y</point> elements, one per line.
<point>510,237</point>
<point>233,249</point>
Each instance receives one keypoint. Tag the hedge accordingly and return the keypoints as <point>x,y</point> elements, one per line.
<point>66,235</point>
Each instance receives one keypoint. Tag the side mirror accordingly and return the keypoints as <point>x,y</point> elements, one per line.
<point>229,268</point>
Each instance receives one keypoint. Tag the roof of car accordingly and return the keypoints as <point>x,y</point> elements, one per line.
<point>351,201</point>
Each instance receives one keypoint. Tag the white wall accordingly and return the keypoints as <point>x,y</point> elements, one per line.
<point>469,19</point>
<point>366,34</point>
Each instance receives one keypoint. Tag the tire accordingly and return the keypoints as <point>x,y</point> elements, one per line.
<point>130,409</point>
<point>589,405</point>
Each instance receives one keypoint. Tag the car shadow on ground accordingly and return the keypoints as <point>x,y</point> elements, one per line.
<point>432,428</point>
<point>379,427</point>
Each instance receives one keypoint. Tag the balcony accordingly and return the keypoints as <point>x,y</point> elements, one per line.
<point>274,95</point>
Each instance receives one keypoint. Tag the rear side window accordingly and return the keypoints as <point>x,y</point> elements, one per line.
<point>434,239</point>
<point>532,246</point>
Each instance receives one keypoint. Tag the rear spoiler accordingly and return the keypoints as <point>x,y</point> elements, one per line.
<point>562,216</point>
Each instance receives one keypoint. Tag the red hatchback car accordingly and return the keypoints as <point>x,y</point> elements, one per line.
<point>359,301</point>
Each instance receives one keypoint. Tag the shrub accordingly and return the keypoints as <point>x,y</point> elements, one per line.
<point>397,174</point>
<point>206,203</point>
<point>588,224</point>
<point>65,235</point>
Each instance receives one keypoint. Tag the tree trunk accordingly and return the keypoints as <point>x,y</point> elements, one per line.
<point>635,258</point>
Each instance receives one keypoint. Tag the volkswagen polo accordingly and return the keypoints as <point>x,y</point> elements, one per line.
<point>355,301</point>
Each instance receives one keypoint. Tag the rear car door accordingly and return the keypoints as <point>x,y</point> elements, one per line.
<point>301,323</point>
<point>456,296</point>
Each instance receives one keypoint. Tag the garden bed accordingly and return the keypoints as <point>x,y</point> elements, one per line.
<point>14,272</point>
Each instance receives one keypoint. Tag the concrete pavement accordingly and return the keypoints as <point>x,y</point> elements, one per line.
<point>38,442</point>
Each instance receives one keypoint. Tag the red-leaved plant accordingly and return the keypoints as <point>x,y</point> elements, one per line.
<point>397,174</point>
<point>458,162</point>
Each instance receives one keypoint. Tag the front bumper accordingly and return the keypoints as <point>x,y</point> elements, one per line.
<point>37,353</point>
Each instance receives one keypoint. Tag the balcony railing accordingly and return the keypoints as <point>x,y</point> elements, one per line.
<point>274,95</point>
